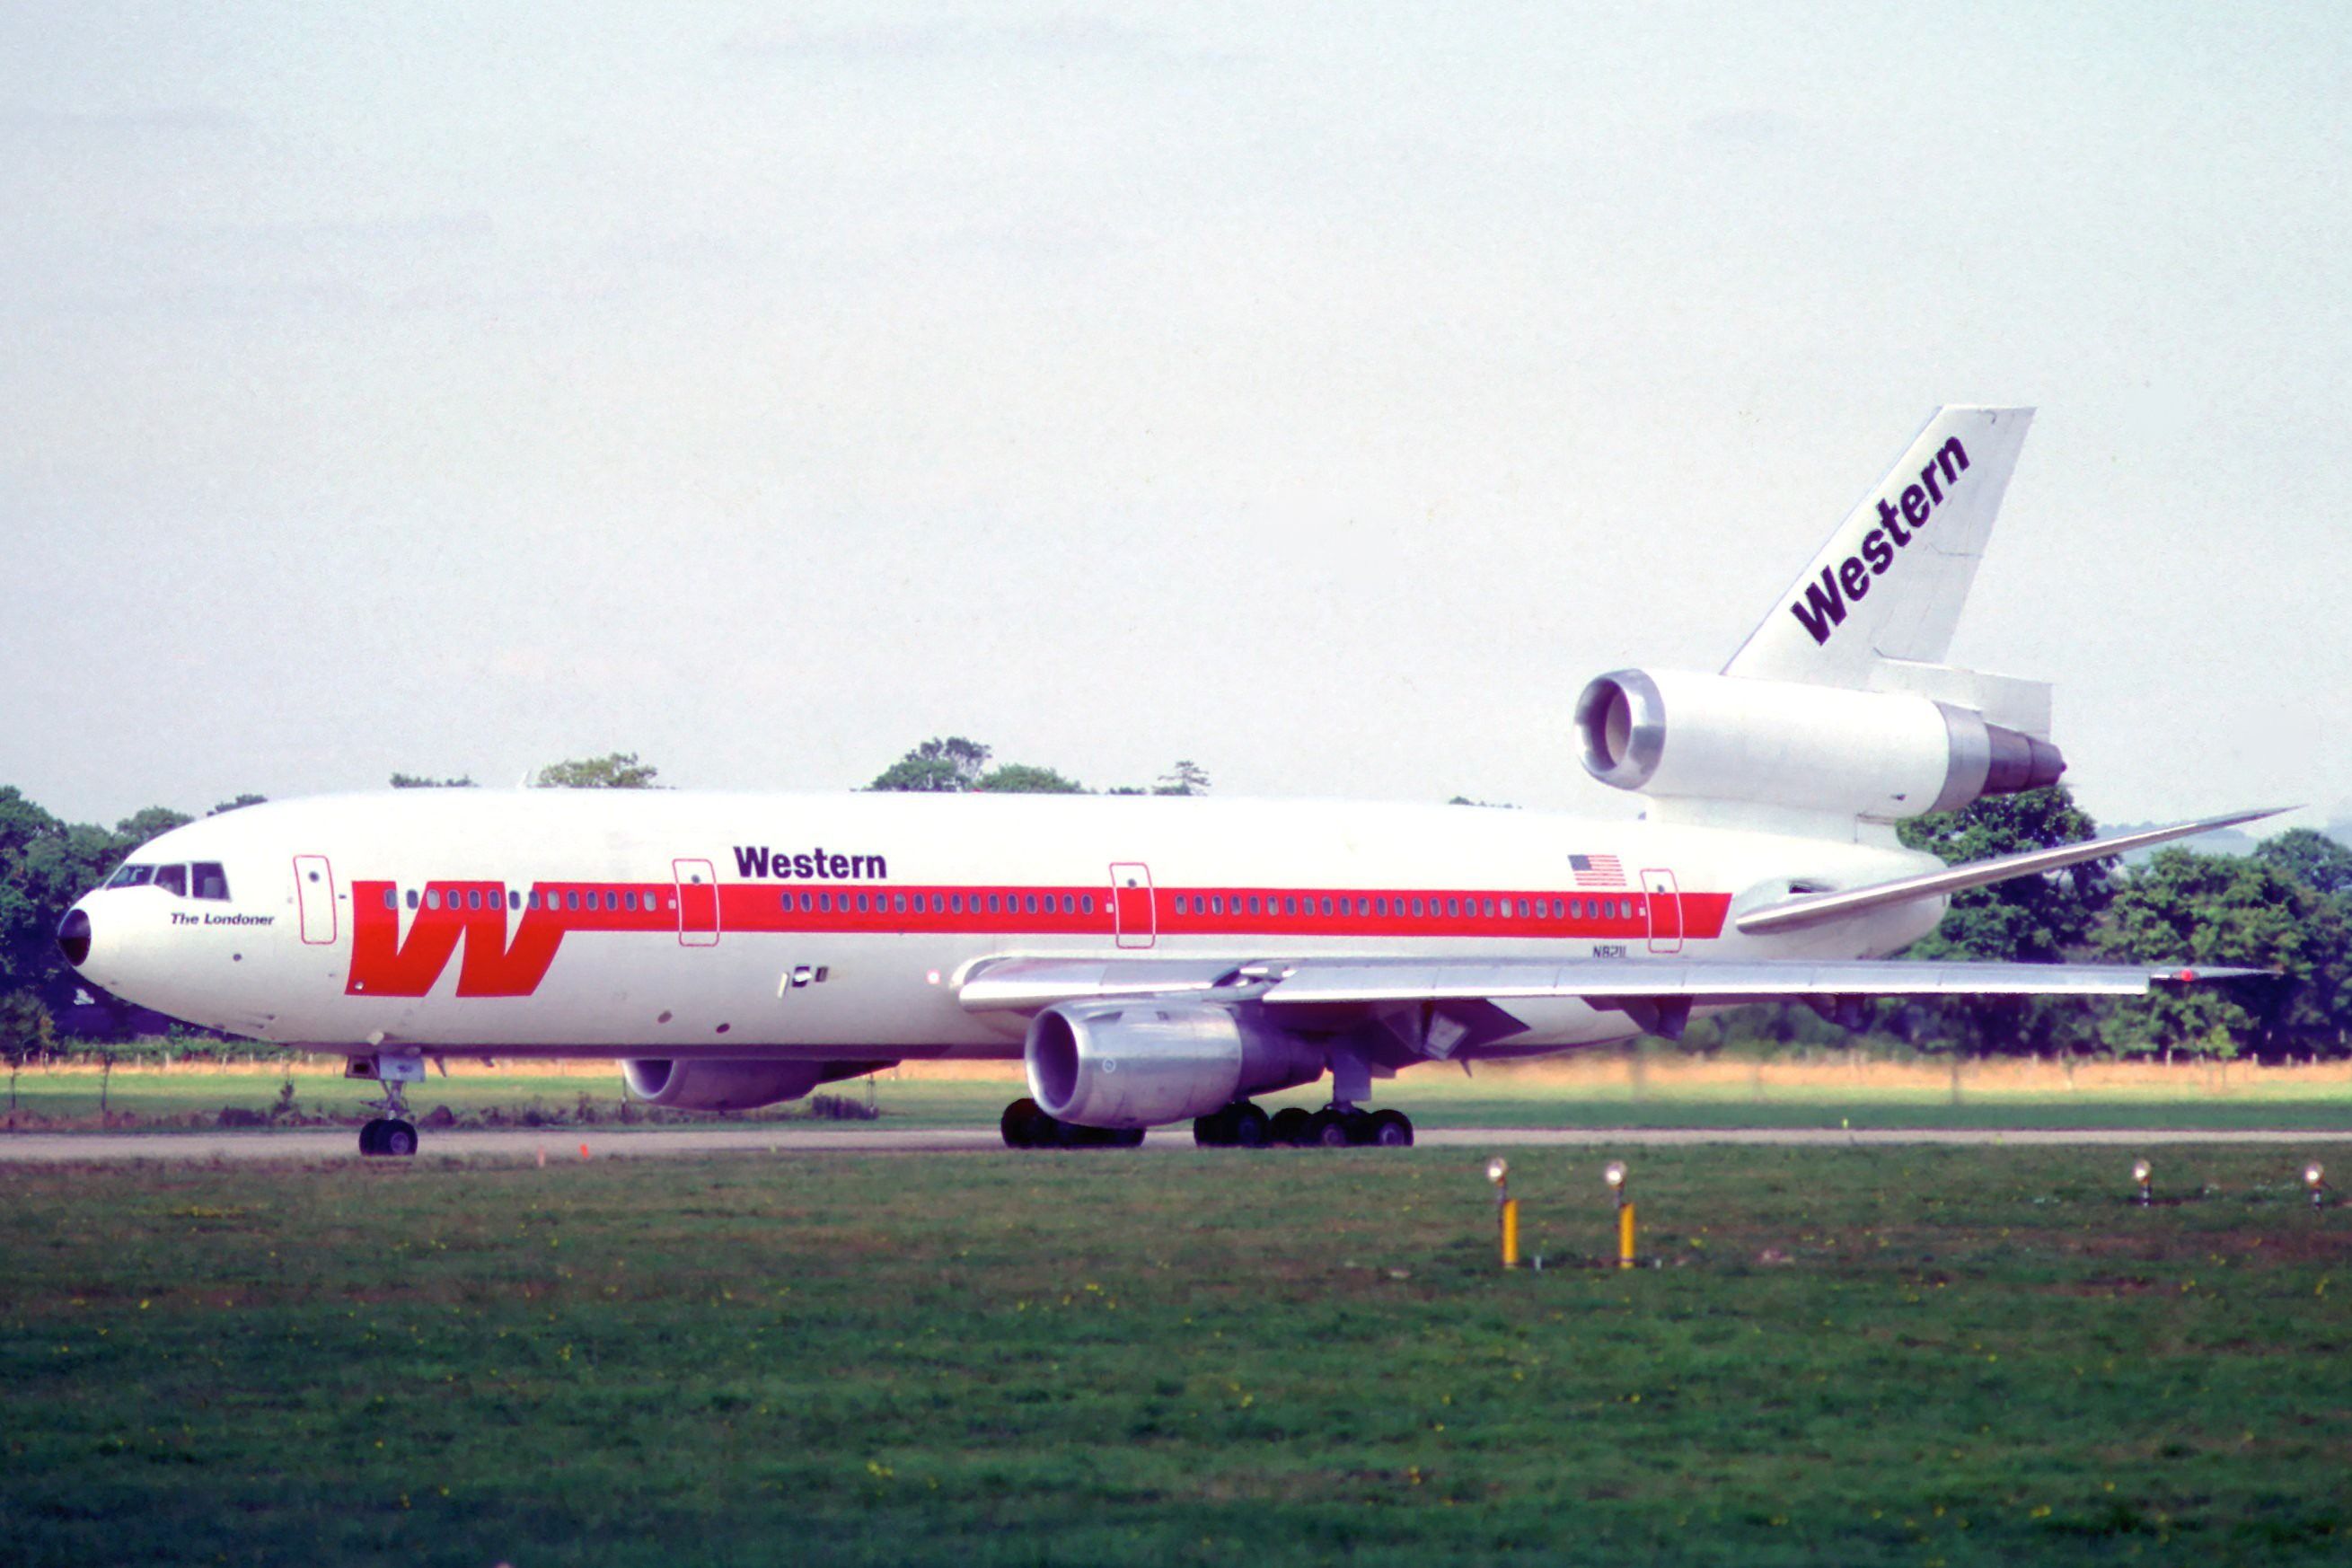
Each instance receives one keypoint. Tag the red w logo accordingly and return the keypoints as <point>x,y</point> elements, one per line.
<point>385,965</point>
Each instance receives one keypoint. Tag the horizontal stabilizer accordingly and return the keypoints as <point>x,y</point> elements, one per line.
<point>1817,909</point>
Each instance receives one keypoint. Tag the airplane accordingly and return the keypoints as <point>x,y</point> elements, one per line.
<point>1156,960</point>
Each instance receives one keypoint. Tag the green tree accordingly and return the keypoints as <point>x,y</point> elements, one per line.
<point>418,780</point>
<point>2315,859</point>
<point>2027,920</point>
<point>239,804</point>
<point>2214,909</point>
<point>615,770</point>
<point>937,766</point>
<point>26,1032</point>
<point>1185,778</point>
<point>152,823</point>
<point>1022,778</point>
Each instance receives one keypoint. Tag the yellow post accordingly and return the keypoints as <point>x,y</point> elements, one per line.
<point>1510,1233</point>
<point>1625,1236</point>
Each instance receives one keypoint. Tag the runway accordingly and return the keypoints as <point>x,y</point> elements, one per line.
<point>335,1145</point>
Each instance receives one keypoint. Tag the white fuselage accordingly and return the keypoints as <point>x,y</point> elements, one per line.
<point>642,923</point>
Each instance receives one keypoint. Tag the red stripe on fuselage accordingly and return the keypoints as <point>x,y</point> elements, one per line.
<point>497,963</point>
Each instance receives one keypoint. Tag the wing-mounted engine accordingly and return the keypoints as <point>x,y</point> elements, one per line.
<point>1145,1063</point>
<point>1819,748</point>
<point>731,1085</point>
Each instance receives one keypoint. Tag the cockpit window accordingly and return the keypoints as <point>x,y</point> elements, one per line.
<point>208,880</point>
<point>131,877</point>
<point>172,879</point>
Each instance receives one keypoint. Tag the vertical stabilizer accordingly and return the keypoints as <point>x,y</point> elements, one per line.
<point>1890,583</point>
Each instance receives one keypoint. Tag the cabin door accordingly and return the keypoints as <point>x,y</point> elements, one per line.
<point>1132,912</point>
<point>314,896</point>
<point>697,903</point>
<point>1665,903</point>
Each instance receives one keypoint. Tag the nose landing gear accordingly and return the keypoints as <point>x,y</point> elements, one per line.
<point>390,1135</point>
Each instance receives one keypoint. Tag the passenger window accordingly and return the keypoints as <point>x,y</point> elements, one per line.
<point>1086,903</point>
<point>473,898</point>
<point>993,907</point>
<point>391,900</point>
<point>1453,906</point>
<point>1216,906</point>
<point>807,903</point>
<point>1416,908</point>
<point>411,898</point>
<point>629,901</point>
<point>1289,906</point>
<point>571,900</point>
<point>861,904</point>
<point>532,902</point>
<point>899,903</point>
<point>433,898</point>
<point>1381,908</point>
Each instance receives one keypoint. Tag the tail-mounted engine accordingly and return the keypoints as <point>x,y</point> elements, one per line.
<point>1871,753</point>
<point>1145,1063</point>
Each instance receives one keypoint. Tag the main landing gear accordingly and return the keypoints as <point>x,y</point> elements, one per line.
<point>390,1135</point>
<point>1246,1125</point>
<point>1025,1125</point>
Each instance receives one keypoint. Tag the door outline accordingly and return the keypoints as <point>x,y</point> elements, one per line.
<point>316,908</point>
<point>1665,903</point>
<point>1134,907</point>
<point>698,902</point>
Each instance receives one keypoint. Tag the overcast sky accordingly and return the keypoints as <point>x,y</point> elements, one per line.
<point>1321,395</point>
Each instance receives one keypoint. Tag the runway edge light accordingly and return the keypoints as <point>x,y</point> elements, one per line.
<point>1613,1173</point>
<point>1507,1210</point>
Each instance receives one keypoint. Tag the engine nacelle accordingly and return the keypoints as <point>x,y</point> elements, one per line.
<point>1871,753</point>
<point>1144,1063</point>
<point>731,1085</point>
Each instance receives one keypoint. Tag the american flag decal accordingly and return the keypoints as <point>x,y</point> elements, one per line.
<point>1597,870</point>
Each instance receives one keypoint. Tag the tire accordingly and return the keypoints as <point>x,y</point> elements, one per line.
<point>1250,1127</point>
<point>372,1138</point>
<point>1327,1129</point>
<point>1213,1130</point>
<point>1019,1125</point>
<point>398,1139</point>
<point>1289,1126</point>
<point>1390,1130</point>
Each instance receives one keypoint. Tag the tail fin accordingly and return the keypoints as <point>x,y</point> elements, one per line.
<point>1885,591</point>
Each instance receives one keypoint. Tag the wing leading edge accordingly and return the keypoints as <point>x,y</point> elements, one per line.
<point>1030,984</point>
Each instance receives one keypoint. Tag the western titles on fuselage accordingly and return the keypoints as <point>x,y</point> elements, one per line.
<point>817,864</point>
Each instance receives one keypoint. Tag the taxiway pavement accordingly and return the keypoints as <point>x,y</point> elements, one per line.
<point>328,1146</point>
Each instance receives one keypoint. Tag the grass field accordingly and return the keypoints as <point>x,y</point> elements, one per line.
<point>1921,1357</point>
<point>1593,1091</point>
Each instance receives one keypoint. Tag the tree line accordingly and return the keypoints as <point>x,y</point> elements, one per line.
<point>2285,906</point>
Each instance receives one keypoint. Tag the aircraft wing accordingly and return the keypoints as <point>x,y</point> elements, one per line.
<point>1031,985</point>
<point>1813,908</point>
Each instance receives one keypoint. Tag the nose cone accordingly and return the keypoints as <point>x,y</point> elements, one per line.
<point>73,937</point>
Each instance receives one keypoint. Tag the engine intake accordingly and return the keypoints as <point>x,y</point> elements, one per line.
<point>1872,754</point>
<point>731,1085</point>
<point>1145,1063</point>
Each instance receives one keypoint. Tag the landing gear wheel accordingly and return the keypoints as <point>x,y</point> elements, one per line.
<point>1214,1131</point>
<point>1249,1126</point>
<point>398,1139</point>
<point>372,1138</point>
<point>1289,1126</point>
<point>1025,1126</point>
<point>1390,1130</point>
<point>1327,1129</point>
